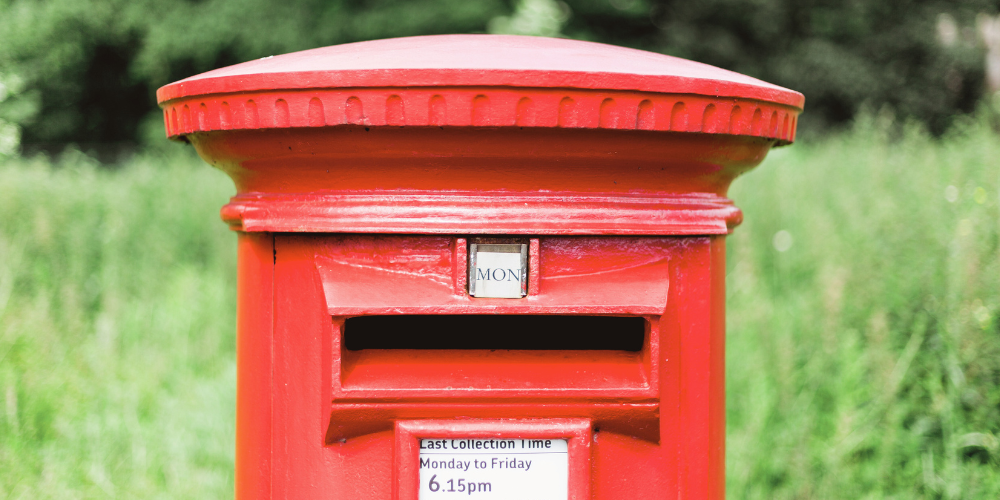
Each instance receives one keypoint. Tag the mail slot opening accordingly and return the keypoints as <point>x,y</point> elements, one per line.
<point>495,332</point>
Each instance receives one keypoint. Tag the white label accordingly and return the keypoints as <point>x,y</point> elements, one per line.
<point>498,275</point>
<point>494,469</point>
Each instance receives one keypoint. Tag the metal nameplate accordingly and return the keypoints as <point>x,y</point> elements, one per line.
<point>498,270</point>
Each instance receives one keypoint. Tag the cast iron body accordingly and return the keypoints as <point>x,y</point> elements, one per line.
<point>362,173</point>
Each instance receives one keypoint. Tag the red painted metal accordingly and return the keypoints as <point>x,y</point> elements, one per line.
<point>363,171</point>
<point>480,60</point>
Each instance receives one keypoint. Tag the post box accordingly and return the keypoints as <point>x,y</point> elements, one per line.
<point>477,266</point>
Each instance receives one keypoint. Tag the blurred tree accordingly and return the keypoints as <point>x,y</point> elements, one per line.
<point>91,67</point>
<point>533,18</point>
<point>842,54</point>
<point>86,70</point>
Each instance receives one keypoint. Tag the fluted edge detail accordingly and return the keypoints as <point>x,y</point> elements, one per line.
<point>481,107</point>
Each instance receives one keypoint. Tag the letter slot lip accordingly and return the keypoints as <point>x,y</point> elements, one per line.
<point>559,368</point>
<point>637,419</point>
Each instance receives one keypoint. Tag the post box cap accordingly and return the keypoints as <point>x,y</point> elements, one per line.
<point>480,80</point>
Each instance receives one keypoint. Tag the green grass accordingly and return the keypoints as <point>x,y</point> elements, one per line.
<point>864,359</point>
<point>117,370</point>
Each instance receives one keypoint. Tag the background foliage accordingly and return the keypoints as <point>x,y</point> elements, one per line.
<point>864,299</point>
<point>85,71</point>
<point>117,330</point>
<point>863,324</point>
<point>863,332</point>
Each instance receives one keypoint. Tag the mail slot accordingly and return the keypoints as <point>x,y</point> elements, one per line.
<point>480,266</point>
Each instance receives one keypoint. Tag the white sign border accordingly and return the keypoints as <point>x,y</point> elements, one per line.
<point>576,431</point>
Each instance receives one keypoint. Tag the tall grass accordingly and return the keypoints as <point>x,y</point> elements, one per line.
<point>864,341</point>
<point>116,330</point>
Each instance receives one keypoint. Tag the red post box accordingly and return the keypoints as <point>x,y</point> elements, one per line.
<point>480,266</point>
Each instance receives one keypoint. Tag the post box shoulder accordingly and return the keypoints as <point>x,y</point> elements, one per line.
<point>480,134</point>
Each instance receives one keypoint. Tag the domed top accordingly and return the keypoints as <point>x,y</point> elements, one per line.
<point>480,80</point>
<point>474,60</point>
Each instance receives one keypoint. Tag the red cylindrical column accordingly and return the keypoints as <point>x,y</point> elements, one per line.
<point>506,252</point>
